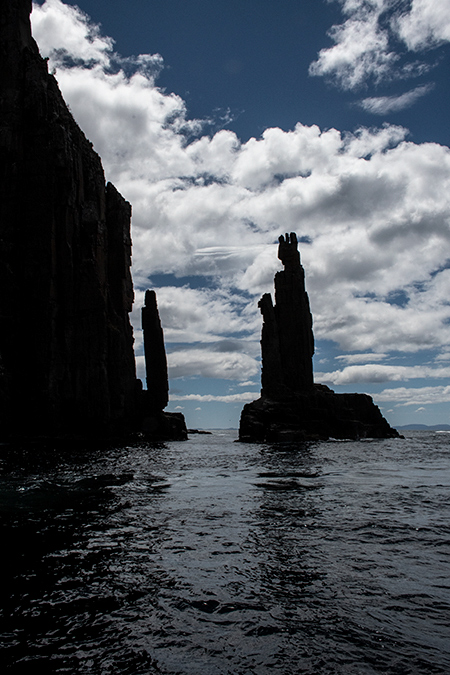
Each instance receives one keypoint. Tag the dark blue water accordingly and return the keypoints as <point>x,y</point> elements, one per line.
<point>215,557</point>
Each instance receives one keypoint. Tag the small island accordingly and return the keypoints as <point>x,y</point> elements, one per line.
<point>292,407</point>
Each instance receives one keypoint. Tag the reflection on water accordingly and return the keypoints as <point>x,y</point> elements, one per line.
<point>216,557</point>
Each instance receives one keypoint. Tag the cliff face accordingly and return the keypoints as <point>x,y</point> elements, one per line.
<point>291,406</point>
<point>66,343</point>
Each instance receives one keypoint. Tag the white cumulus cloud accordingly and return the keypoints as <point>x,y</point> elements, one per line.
<point>426,25</point>
<point>361,48</point>
<point>65,32</point>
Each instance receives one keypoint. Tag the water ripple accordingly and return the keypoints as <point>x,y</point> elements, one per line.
<point>214,557</point>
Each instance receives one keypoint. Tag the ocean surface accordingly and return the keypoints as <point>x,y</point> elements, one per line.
<point>216,557</point>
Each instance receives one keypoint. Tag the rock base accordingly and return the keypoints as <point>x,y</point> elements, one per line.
<point>165,426</point>
<point>317,415</point>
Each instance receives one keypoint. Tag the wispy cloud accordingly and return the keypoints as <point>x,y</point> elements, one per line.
<point>361,358</point>
<point>244,397</point>
<point>365,44</point>
<point>380,105</point>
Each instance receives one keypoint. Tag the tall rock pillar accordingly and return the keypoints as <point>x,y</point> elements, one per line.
<point>287,341</point>
<point>155,423</point>
<point>155,356</point>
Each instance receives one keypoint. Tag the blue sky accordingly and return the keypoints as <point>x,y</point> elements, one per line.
<point>226,124</point>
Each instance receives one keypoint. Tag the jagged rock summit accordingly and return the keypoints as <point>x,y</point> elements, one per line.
<point>67,364</point>
<point>291,406</point>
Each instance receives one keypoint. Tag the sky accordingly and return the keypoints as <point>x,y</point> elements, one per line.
<point>226,124</point>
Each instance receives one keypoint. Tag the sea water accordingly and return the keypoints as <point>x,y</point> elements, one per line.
<point>216,557</point>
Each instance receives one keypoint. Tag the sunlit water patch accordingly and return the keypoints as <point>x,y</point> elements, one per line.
<point>216,557</point>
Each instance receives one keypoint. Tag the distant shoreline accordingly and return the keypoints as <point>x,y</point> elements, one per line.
<point>424,427</point>
<point>404,427</point>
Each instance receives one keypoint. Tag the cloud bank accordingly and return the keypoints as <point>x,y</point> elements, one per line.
<point>372,208</point>
<point>404,396</point>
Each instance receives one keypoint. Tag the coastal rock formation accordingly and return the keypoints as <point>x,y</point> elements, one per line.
<point>156,422</point>
<point>67,364</point>
<point>155,355</point>
<point>287,341</point>
<point>291,406</point>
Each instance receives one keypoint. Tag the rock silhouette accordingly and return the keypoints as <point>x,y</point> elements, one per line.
<point>291,406</point>
<point>67,363</point>
<point>287,343</point>
<point>155,422</point>
<point>155,355</point>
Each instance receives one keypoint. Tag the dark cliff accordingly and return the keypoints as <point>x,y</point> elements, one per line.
<point>291,406</point>
<point>66,344</point>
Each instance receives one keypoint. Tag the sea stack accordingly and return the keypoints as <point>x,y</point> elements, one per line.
<point>287,341</point>
<point>154,421</point>
<point>291,406</point>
